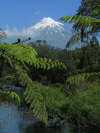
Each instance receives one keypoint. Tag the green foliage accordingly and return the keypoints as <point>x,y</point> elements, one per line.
<point>26,54</point>
<point>40,97</point>
<point>54,98</point>
<point>77,79</point>
<point>19,52</point>
<point>94,41</point>
<point>84,106</point>
<point>86,21</point>
<point>48,64</point>
<point>12,96</point>
<point>15,96</point>
<point>20,57</point>
<point>82,20</point>
<point>83,24</point>
<point>37,103</point>
<point>86,59</point>
<point>8,79</point>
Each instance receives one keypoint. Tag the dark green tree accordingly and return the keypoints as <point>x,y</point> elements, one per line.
<point>2,34</point>
<point>86,21</point>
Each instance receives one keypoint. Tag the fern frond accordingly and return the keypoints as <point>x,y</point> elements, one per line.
<point>12,96</point>
<point>20,52</point>
<point>38,102</point>
<point>79,78</point>
<point>82,20</point>
<point>40,97</point>
<point>15,96</point>
<point>48,64</point>
<point>26,54</point>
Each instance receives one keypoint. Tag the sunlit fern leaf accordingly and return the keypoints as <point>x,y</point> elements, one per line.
<point>15,96</point>
<point>19,55</point>
<point>40,97</point>
<point>38,102</point>
<point>79,78</point>
<point>83,20</point>
<point>26,54</point>
<point>20,52</point>
<point>8,59</point>
<point>48,64</point>
<point>52,99</point>
<point>12,96</point>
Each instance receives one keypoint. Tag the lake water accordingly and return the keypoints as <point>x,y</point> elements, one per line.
<point>14,121</point>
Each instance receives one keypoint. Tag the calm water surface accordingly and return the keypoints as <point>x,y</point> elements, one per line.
<point>14,121</point>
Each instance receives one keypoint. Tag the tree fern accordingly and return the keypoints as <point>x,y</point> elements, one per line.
<point>26,54</point>
<point>82,20</point>
<point>41,98</point>
<point>76,38</point>
<point>79,78</point>
<point>15,96</point>
<point>12,96</point>
<point>48,64</point>
<point>86,20</point>
<point>22,53</point>
<point>21,56</point>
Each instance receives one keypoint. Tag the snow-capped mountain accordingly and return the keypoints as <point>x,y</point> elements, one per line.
<point>47,29</point>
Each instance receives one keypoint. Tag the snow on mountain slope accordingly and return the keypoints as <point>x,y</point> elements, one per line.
<point>47,29</point>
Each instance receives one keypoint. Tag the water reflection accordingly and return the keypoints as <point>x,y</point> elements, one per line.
<point>9,119</point>
<point>40,129</point>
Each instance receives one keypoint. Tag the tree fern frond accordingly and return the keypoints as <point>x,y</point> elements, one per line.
<point>83,20</point>
<point>22,53</point>
<point>40,97</point>
<point>79,78</point>
<point>13,96</point>
<point>38,103</point>
<point>48,64</point>
<point>8,59</point>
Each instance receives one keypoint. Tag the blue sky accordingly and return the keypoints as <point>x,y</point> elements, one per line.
<point>24,13</point>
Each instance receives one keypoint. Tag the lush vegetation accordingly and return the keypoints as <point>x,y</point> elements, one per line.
<point>83,106</point>
<point>63,81</point>
<point>19,57</point>
<point>43,92</point>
